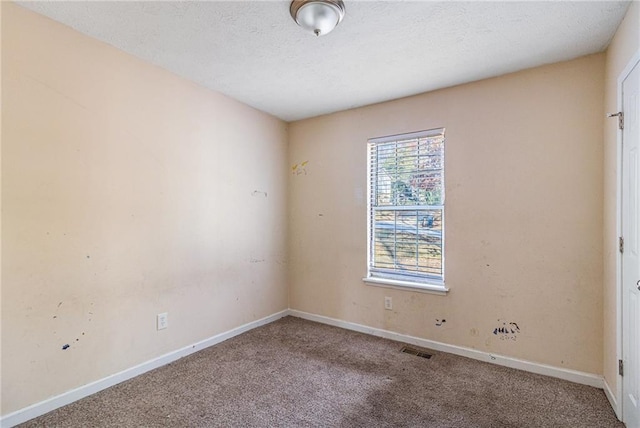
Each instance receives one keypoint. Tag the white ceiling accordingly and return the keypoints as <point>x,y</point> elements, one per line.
<point>254,52</point>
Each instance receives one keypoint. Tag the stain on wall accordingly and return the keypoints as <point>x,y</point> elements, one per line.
<point>298,169</point>
<point>507,330</point>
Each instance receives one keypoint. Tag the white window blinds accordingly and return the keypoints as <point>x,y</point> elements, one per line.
<point>406,206</point>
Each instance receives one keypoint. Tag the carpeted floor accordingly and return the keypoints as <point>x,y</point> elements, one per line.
<point>296,373</point>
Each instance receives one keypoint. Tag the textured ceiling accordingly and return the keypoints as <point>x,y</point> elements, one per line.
<point>254,52</point>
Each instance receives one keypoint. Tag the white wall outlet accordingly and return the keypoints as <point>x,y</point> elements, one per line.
<point>163,321</point>
<point>388,303</point>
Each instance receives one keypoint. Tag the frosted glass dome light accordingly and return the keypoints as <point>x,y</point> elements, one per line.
<point>317,16</point>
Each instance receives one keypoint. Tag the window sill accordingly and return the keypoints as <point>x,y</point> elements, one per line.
<point>433,288</point>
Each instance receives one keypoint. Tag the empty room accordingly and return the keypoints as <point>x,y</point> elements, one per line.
<point>320,213</point>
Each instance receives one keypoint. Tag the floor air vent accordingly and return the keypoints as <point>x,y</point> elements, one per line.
<point>414,351</point>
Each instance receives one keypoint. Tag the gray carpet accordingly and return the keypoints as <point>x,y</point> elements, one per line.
<point>296,373</point>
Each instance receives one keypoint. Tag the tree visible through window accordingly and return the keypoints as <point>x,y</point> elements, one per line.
<point>406,207</point>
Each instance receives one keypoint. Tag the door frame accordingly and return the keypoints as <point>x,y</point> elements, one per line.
<point>618,401</point>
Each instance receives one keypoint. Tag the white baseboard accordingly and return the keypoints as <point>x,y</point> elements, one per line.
<point>69,397</point>
<point>543,369</point>
<point>612,399</point>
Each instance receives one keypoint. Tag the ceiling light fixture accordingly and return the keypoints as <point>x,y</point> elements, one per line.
<point>317,16</point>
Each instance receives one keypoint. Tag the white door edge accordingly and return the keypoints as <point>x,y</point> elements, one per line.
<point>635,59</point>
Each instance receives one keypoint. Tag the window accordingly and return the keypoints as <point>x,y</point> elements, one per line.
<point>406,210</point>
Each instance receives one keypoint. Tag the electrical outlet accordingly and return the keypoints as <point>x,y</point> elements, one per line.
<point>388,303</point>
<point>163,321</point>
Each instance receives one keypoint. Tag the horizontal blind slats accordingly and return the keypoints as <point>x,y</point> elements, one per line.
<point>406,178</point>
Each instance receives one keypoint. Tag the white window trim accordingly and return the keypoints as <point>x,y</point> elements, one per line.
<point>431,286</point>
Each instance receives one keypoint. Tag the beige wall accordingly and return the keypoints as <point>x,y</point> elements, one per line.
<point>127,192</point>
<point>624,45</point>
<point>523,214</point>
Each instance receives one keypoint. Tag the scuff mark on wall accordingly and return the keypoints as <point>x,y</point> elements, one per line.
<point>301,168</point>
<point>507,331</point>
<point>259,193</point>
<point>60,315</point>
<point>252,260</point>
<point>57,91</point>
<point>440,322</point>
